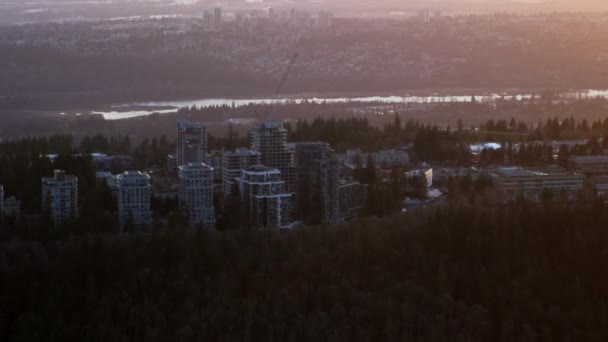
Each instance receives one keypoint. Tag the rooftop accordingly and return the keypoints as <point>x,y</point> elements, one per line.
<point>189,124</point>
<point>529,172</point>
<point>134,174</point>
<point>195,166</point>
<point>517,172</point>
<point>261,169</point>
<point>59,176</point>
<point>241,151</point>
<point>311,143</point>
<point>271,124</point>
<point>589,158</point>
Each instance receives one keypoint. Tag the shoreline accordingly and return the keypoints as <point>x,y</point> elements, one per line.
<point>119,111</point>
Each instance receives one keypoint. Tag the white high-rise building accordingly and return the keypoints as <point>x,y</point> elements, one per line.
<point>133,199</point>
<point>60,197</point>
<point>264,198</point>
<point>196,194</point>
<point>270,139</point>
<point>234,163</point>
<point>191,143</point>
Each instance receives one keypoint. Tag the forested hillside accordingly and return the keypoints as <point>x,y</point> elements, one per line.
<point>517,273</point>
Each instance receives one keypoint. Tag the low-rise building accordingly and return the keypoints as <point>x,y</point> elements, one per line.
<point>386,158</point>
<point>600,185</point>
<point>60,197</point>
<point>442,175</point>
<point>589,165</point>
<point>511,182</point>
<point>391,158</point>
<point>103,162</point>
<point>427,173</point>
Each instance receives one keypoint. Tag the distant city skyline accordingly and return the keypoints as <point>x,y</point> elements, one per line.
<point>67,10</point>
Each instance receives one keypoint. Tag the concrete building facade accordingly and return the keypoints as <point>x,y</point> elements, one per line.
<point>265,201</point>
<point>234,163</point>
<point>384,158</point>
<point>352,198</point>
<point>191,143</point>
<point>589,165</point>
<point>196,194</point>
<point>530,183</point>
<point>270,139</point>
<point>60,197</point>
<point>317,169</point>
<point>134,192</point>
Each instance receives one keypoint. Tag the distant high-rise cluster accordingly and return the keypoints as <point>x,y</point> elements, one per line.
<point>427,14</point>
<point>273,184</point>
<point>285,18</point>
<point>212,21</point>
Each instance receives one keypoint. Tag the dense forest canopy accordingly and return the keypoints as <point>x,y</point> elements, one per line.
<point>517,273</point>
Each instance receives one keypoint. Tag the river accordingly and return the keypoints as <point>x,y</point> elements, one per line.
<point>167,107</point>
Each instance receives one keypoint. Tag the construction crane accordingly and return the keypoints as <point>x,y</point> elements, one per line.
<point>280,86</point>
<point>291,63</point>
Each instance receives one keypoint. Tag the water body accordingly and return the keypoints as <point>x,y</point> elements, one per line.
<point>166,107</point>
<point>118,115</point>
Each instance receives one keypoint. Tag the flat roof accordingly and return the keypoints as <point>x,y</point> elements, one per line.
<point>242,151</point>
<point>194,166</point>
<point>589,158</point>
<point>271,124</point>
<point>261,169</point>
<point>517,172</point>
